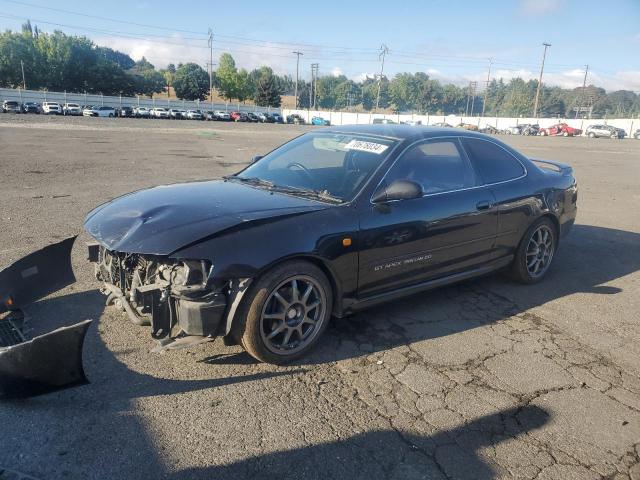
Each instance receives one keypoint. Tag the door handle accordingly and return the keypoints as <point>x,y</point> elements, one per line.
<point>484,205</point>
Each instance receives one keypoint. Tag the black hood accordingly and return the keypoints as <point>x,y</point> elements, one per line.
<point>161,220</point>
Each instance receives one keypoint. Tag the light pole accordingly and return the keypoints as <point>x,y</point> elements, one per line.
<point>211,68</point>
<point>383,52</point>
<point>24,83</point>
<point>486,90</point>
<point>297,68</point>
<point>535,104</point>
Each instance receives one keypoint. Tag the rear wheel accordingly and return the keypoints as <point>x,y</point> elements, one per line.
<point>535,252</point>
<point>592,135</point>
<point>284,313</point>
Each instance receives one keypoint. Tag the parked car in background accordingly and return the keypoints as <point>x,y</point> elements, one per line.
<point>413,123</point>
<point>442,125</point>
<point>252,117</point>
<point>71,109</point>
<point>175,114</point>
<point>515,130</point>
<point>51,108</point>
<point>99,111</point>
<point>295,119</point>
<point>560,129</point>
<point>194,115</point>
<point>141,112</point>
<point>10,106</point>
<point>530,129</point>
<point>159,112</point>
<point>209,115</point>
<point>468,126</point>
<point>320,121</point>
<point>221,116</point>
<point>264,118</point>
<point>238,116</point>
<point>490,129</point>
<point>636,135</point>
<point>377,121</point>
<point>277,118</point>
<point>125,111</point>
<point>31,107</point>
<point>597,131</point>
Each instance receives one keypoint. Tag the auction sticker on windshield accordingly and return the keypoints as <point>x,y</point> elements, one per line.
<point>372,147</point>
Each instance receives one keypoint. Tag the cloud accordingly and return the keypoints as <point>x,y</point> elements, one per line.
<point>176,49</point>
<point>540,7</point>
<point>337,71</point>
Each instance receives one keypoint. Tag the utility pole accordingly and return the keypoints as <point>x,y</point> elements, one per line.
<point>486,90</point>
<point>383,52</point>
<point>313,91</point>
<point>535,104</point>
<point>584,88</point>
<point>473,86</point>
<point>211,68</point>
<point>24,83</point>
<point>297,67</point>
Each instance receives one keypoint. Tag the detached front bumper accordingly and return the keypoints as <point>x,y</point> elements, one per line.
<point>48,362</point>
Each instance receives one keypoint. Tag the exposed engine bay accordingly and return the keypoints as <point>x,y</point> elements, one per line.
<point>174,297</point>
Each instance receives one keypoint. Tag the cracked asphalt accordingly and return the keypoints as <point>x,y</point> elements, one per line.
<point>481,380</point>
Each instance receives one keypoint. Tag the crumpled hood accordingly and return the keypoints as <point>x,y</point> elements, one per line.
<point>163,219</point>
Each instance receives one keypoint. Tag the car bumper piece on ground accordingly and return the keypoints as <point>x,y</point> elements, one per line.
<point>49,362</point>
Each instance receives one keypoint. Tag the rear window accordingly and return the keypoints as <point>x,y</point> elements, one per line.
<point>492,162</point>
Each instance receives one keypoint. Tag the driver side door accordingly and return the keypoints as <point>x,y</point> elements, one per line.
<point>451,228</point>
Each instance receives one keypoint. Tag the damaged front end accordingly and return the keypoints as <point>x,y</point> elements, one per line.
<point>175,297</point>
<point>48,362</point>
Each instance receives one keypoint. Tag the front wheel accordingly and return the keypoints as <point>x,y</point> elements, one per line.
<point>535,252</point>
<point>592,135</point>
<point>284,313</point>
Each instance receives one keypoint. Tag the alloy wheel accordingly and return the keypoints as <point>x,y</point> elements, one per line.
<point>293,314</point>
<point>540,251</point>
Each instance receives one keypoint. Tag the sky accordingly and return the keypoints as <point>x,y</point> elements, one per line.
<point>451,40</point>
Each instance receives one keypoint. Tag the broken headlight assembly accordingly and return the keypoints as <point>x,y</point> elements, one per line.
<point>175,297</point>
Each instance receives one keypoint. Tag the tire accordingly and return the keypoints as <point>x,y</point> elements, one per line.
<point>262,313</point>
<point>543,133</point>
<point>111,115</point>
<point>565,134</point>
<point>523,268</point>
<point>592,135</point>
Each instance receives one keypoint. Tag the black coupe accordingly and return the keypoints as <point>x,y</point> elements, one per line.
<point>334,221</point>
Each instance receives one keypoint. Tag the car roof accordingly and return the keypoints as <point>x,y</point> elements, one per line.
<point>400,131</point>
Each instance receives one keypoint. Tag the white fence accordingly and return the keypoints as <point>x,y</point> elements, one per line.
<point>630,125</point>
<point>40,96</point>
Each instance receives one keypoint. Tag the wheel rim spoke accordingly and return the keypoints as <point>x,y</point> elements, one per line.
<point>539,251</point>
<point>292,315</point>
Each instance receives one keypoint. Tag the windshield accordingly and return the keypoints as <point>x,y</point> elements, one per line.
<point>332,164</point>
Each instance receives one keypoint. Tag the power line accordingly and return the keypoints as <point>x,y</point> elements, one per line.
<point>98,17</point>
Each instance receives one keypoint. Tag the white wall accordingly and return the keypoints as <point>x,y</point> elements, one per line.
<point>630,125</point>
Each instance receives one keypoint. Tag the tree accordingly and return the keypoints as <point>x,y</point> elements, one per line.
<point>268,93</point>
<point>191,82</point>
<point>245,88</point>
<point>227,77</point>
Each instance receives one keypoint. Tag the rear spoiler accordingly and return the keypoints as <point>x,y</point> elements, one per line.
<point>561,168</point>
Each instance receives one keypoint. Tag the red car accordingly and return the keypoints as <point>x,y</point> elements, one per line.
<point>238,117</point>
<point>560,129</point>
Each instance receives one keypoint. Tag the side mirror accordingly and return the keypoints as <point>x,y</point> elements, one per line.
<point>256,158</point>
<point>398,190</point>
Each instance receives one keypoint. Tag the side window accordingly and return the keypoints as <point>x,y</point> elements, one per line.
<point>438,166</point>
<point>493,163</point>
